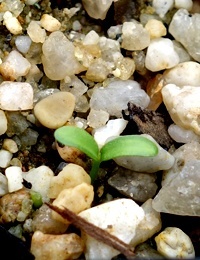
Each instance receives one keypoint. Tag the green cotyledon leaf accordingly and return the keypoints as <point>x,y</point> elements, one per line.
<point>128,145</point>
<point>79,138</point>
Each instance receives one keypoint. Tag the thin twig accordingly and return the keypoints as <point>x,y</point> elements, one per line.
<point>94,231</point>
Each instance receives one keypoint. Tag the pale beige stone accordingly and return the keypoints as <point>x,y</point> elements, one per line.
<point>56,247</point>
<point>3,120</point>
<point>11,23</point>
<point>50,23</point>
<point>10,145</point>
<point>70,176</point>
<point>155,28</point>
<point>35,32</point>
<point>75,199</point>
<point>54,110</point>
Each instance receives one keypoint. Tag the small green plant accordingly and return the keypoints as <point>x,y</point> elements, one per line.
<point>128,145</point>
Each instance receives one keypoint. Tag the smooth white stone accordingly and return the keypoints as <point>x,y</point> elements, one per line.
<point>23,43</point>
<point>14,177</point>
<point>185,4</point>
<point>11,23</point>
<point>91,38</point>
<point>182,135</point>
<point>113,128</point>
<point>119,217</point>
<point>35,32</point>
<point>16,96</point>
<point>162,161</point>
<point>50,23</point>
<point>40,179</point>
<point>5,157</point>
<point>161,55</point>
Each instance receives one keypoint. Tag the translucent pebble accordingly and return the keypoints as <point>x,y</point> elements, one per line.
<point>185,29</point>
<point>97,118</point>
<point>23,43</point>
<point>91,38</point>
<point>49,23</point>
<point>181,51</point>
<point>58,57</point>
<point>98,71</point>
<point>161,55</point>
<point>10,145</point>
<point>134,36</point>
<point>3,120</point>
<point>182,135</point>
<point>97,9</point>
<point>114,98</point>
<point>35,32</point>
<point>114,31</point>
<point>5,157</point>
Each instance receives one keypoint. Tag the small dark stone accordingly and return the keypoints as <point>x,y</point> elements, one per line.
<point>144,121</point>
<point>27,184</point>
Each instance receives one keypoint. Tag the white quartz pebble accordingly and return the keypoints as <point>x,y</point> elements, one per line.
<point>97,118</point>
<point>183,74</point>
<point>185,4</point>
<point>35,32</point>
<point>115,97</point>
<point>162,161</point>
<point>14,176</point>
<point>3,184</point>
<point>134,36</point>
<point>16,96</point>
<point>5,157</point>
<point>113,128</point>
<point>174,243</point>
<point>23,43</point>
<point>11,23</point>
<point>161,55</point>
<point>182,135</point>
<point>162,6</point>
<point>14,66</point>
<point>4,122</point>
<point>50,23</point>
<point>183,105</point>
<point>119,217</point>
<point>40,178</point>
<point>91,38</point>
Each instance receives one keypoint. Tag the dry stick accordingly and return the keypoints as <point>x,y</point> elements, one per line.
<point>94,231</point>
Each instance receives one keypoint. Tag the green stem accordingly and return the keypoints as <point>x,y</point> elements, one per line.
<point>94,170</point>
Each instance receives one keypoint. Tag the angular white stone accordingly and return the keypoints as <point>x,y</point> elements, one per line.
<point>14,66</point>
<point>97,118</point>
<point>183,105</point>
<point>183,74</point>
<point>91,38</point>
<point>115,97</point>
<point>50,23</point>
<point>58,57</point>
<point>184,27</point>
<point>5,157</point>
<point>134,36</point>
<point>174,243</point>
<point>14,177</point>
<point>161,55</point>
<point>35,32</point>
<point>4,122</point>
<point>113,128</point>
<point>180,192</point>
<point>155,28</point>
<point>16,96</point>
<point>162,161</point>
<point>40,179</point>
<point>162,6</point>
<point>120,217</point>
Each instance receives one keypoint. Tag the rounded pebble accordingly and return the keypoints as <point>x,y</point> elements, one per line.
<point>50,23</point>
<point>3,120</point>
<point>54,111</point>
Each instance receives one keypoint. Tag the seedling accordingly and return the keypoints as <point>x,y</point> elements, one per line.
<point>127,145</point>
